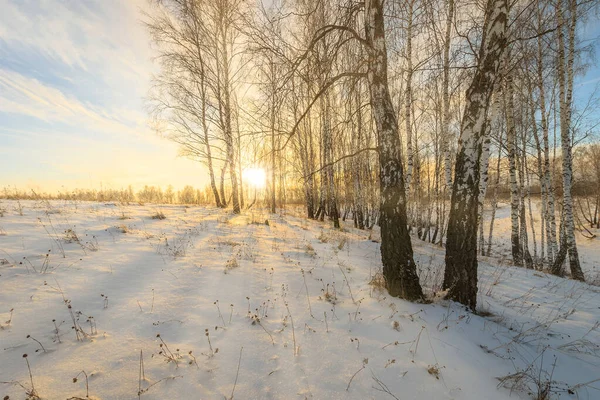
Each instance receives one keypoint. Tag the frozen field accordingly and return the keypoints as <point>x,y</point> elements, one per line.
<point>207,305</point>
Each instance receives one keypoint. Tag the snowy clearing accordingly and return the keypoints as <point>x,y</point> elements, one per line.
<point>206,305</point>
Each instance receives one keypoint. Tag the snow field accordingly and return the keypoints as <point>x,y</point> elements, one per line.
<point>278,311</point>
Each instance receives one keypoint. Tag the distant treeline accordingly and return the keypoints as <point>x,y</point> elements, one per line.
<point>148,194</point>
<point>190,195</point>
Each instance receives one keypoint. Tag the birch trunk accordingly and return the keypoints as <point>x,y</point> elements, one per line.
<point>408,96</point>
<point>209,161</point>
<point>460,276</point>
<point>540,172</point>
<point>511,142</point>
<point>222,185</point>
<point>495,197</point>
<point>483,180</point>
<point>272,126</point>
<point>399,268</point>
<point>359,199</point>
<point>550,214</point>
<point>238,146</point>
<point>565,82</point>
<point>483,176</point>
<point>328,156</point>
<point>223,93</point>
<point>446,98</point>
<point>523,235</point>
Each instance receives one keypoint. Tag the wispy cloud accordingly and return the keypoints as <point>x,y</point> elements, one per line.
<point>77,34</point>
<point>28,96</point>
<point>72,78</point>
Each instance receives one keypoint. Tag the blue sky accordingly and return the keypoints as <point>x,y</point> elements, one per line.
<point>73,75</point>
<point>588,86</point>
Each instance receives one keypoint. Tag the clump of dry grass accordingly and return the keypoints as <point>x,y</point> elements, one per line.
<point>123,216</point>
<point>309,250</point>
<point>225,242</point>
<point>231,263</point>
<point>71,236</point>
<point>378,281</point>
<point>535,380</point>
<point>259,219</point>
<point>223,219</point>
<point>323,238</point>
<point>329,293</point>
<point>434,370</point>
<point>176,247</point>
<point>158,215</point>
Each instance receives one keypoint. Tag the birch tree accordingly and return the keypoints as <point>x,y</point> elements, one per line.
<point>399,267</point>
<point>200,40</point>
<point>565,65</point>
<point>460,276</point>
<point>179,95</point>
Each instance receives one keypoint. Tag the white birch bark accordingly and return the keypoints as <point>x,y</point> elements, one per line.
<point>446,98</point>
<point>399,268</point>
<point>495,197</point>
<point>565,81</point>
<point>483,176</point>
<point>460,276</point>
<point>550,210</point>
<point>511,138</point>
<point>408,96</point>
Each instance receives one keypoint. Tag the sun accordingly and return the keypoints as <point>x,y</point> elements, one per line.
<point>255,177</point>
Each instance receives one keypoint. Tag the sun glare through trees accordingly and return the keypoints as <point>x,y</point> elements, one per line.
<point>255,177</point>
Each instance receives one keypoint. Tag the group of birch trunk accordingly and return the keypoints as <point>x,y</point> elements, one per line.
<point>412,115</point>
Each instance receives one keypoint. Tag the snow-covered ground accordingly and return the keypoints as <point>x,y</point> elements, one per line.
<point>207,305</point>
<point>589,249</point>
